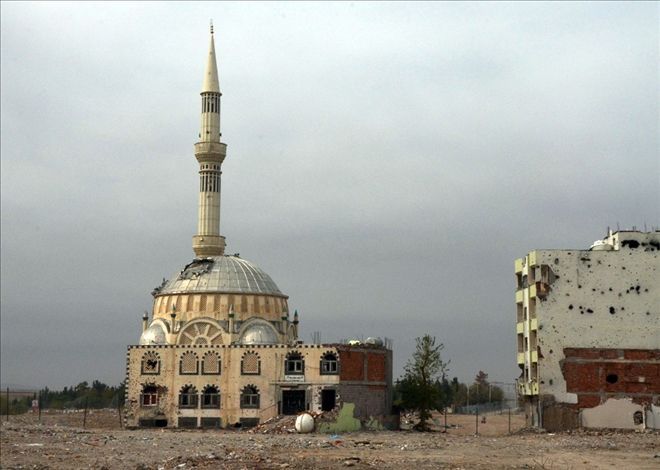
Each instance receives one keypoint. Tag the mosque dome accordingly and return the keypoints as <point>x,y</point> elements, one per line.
<point>155,334</point>
<point>259,333</point>
<point>220,274</point>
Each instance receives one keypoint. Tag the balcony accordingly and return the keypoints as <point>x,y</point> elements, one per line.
<point>519,296</point>
<point>527,388</point>
<point>531,258</point>
<point>533,324</point>
<point>519,265</point>
<point>520,328</point>
<point>521,358</point>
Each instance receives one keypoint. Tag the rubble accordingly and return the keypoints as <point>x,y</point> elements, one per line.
<point>271,446</point>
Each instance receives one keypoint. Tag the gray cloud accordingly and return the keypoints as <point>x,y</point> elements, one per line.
<point>387,163</point>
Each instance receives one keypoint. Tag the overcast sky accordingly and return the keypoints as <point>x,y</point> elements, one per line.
<point>387,162</point>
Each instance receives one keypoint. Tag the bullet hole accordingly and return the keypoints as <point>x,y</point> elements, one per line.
<point>638,417</point>
<point>612,310</point>
<point>655,244</point>
<point>590,311</point>
<point>620,294</point>
<point>579,286</point>
<point>623,308</point>
<point>588,266</point>
<point>599,262</point>
<point>630,243</point>
<point>623,267</point>
<point>602,293</point>
<point>550,381</point>
<point>556,260</point>
<point>648,313</point>
<point>551,351</point>
<point>646,290</point>
<point>610,289</point>
<point>637,289</point>
<point>570,307</point>
<point>612,378</point>
<point>593,289</point>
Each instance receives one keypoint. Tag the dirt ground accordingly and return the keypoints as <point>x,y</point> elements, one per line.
<point>60,442</point>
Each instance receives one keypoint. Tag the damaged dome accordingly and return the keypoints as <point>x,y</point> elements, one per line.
<point>223,274</point>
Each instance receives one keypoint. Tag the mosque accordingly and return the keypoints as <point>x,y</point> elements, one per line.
<point>221,348</point>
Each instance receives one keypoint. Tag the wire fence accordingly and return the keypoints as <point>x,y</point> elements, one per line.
<point>36,406</point>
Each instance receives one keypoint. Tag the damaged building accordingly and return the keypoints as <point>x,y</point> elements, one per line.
<point>588,334</point>
<point>220,347</point>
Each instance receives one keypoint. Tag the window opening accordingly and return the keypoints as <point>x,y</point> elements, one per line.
<point>188,397</point>
<point>210,397</point>
<point>250,397</point>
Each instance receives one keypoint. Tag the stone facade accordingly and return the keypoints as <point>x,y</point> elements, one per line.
<point>588,330</point>
<point>176,385</point>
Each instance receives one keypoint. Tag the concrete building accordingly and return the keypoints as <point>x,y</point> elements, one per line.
<point>220,346</point>
<point>588,333</point>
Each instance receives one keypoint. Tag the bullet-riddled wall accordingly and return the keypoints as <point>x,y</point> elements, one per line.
<point>588,327</point>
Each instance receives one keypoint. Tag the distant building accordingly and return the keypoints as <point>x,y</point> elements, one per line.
<point>220,347</point>
<point>588,333</point>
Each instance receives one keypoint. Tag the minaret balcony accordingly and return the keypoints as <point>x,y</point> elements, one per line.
<point>210,151</point>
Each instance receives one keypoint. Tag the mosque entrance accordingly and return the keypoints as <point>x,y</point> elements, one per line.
<point>293,401</point>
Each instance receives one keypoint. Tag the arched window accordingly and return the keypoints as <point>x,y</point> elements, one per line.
<point>250,364</point>
<point>150,363</point>
<point>294,364</point>
<point>210,397</point>
<point>250,397</point>
<point>188,397</point>
<point>188,364</point>
<point>210,364</point>
<point>151,395</point>
<point>329,364</point>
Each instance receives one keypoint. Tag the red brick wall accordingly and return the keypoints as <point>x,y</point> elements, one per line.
<point>597,374</point>
<point>351,365</point>
<point>375,367</point>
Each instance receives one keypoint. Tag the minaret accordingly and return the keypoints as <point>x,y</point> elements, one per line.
<point>210,154</point>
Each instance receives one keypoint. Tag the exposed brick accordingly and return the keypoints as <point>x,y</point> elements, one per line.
<point>588,401</point>
<point>583,353</point>
<point>583,377</point>
<point>639,354</point>
<point>649,371</point>
<point>611,353</point>
<point>643,400</point>
<point>637,387</point>
<point>376,367</point>
<point>352,365</point>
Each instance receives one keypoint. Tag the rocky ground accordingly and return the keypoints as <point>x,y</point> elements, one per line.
<point>60,442</point>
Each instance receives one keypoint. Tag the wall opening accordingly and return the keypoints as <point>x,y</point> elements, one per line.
<point>328,398</point>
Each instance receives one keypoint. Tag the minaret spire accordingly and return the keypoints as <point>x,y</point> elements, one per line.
<point>210,154</point>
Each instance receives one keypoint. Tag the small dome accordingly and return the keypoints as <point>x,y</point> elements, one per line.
<point>259,333</point>
<point>155,334</point>
<point>222,274</point>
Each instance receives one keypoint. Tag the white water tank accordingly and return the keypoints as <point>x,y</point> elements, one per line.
<point>304,423</point>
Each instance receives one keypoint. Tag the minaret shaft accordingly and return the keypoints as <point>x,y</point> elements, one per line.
<point>210,154</point>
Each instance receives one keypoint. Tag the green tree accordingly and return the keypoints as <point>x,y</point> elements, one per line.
<point>419,388</point>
